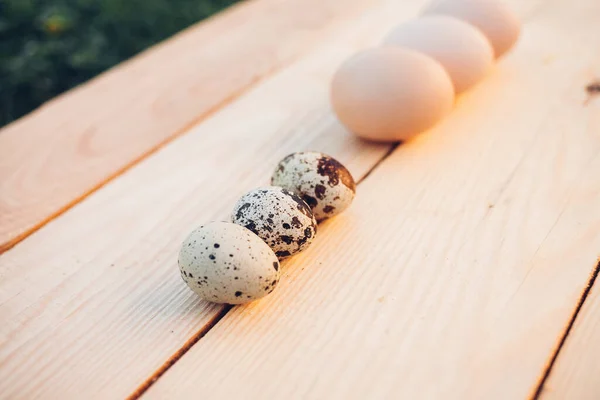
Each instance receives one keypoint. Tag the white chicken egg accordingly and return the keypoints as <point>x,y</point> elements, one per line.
<point>226,263</point>
<point>277,216</point>
<point>462,49</point>
<point>494,18</point>
<point>390,94</point>
<point>320,180</point>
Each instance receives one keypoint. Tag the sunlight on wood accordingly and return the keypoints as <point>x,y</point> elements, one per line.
<point>454,275</point>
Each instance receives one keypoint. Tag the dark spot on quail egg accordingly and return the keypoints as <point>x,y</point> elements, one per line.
<point>252,227</point>
<point>282,254</point>
<point>320,180</point>
<point>288,217</point>
<point>311,201</point>
<point>227,274</point>
<point>296,222</point>
<point>320,191</point>
<point>286,239</point>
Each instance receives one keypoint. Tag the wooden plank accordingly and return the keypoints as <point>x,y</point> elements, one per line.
<point>458,267</point>
<point>574,373</point>
<point>57,155</point>
<point>92,304</point>
<point>576,370</point>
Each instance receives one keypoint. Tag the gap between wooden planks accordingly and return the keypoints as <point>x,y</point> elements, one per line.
<point>73,145</point>
<point>126,210</point>
<point>457,270</point>
<point>576,377</point>
<point>90,303</point>
<point>574,371</point>
<point>570,369</point>
<point>224,310</point>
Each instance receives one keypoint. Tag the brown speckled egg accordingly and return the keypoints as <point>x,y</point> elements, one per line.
<point>320,180</point>
<point>226,263</point>
<point>279,217</point>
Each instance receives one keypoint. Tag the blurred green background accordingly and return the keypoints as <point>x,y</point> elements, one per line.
<point>49,46</point>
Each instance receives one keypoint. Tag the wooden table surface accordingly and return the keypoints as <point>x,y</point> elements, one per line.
<point>465,268</point>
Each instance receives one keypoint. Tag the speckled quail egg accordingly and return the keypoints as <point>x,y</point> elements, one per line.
<point>226,263</point>
<point>279,217</point>
<point>320,180</point>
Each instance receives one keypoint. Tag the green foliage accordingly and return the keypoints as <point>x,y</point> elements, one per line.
<point>49,46</point>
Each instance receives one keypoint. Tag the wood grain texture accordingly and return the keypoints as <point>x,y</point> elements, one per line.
<point>458,267</point>
<point>92,304</point>
<point>574,374</point>
<point>68,148</point>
